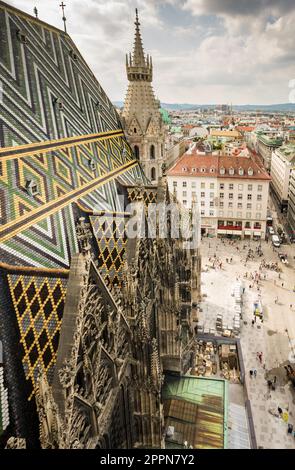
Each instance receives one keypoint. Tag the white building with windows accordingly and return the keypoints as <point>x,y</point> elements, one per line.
<point>282,165</point>
<point>232,193</point>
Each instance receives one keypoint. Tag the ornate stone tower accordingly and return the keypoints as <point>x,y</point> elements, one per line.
<point>142,118</point>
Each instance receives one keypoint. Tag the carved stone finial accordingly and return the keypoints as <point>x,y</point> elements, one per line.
<point>16,443</point>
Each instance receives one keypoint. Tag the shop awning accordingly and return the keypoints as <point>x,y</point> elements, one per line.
<point>221,231</point>
<point>247,232</point>
<point>257,234</point>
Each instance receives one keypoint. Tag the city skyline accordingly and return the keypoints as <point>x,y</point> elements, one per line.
<point>203,52</point>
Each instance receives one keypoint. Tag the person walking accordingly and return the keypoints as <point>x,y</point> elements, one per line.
<point>251,373</point>
<point>282,284</point>
<point>253,321</point>
<point>255,373</point>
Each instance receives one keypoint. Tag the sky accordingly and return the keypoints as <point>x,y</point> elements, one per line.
<point>204,51</point>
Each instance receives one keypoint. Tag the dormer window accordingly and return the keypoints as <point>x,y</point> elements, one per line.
<point>135,130</point>
<point>250,171</point>
<point>194,170</point>
<point>32,187</point>
<point>241,171</point>
<point>203,170</point>
<point>222,170</point>
<point>58,103</point>
<point>231,171</point>
<point>184,168</point>
<point>212,169</point>
<point>73,56</point>
<point>92,164</point>
<point>21,37</point>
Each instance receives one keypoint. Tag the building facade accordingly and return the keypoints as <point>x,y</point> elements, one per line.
<point>141,115</point>
<point>232,193</point>
<point>282,165</point>
<point>265,145</point>
<point>291,202</point>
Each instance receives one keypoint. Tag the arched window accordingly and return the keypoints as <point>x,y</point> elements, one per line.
<point>152,152</point>
<point>135,130</point>
<point>153,174</point>
<point>136,151</point>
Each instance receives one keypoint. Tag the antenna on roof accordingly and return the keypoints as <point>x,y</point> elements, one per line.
<point>62,5</point>
<point>36,12</point>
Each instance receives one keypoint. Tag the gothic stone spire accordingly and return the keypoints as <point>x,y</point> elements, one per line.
<point>138,66</point>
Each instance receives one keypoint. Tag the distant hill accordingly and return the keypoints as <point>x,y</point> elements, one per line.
<point>284,107</point>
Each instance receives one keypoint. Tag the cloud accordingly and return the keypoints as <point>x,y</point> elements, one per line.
<point>204,51</point>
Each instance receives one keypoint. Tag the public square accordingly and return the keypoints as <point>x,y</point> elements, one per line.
<point>274,337</point>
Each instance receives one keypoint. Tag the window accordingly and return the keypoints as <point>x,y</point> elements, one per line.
<point>184,202</point>
<point>202,194</point>
<point>241,171</point>
<point>194,170</point>
<point>249,205</point>
<point>259,188</point>
<point>152,152</point>
<point>258,215</point>
<point>202,212</point>
<point>211,213</point>
<point>203,203</point>
<point>221,204</point>
<point>153,174</point>
<point>221,186</point>
<point>222,171</point>
<point>221,213</point>
<point>239,214</point>
<point>194,194</point>
<point>257,225</point>
<point>135,130</point>
<point>247,224</point>
<point>194,184</point>
<point>203,185</point>
<point>231,195</point>
<point>175,184</point>
<point>258,207</point>
<point>211,204</point>
<point>211,185</point>
<point>221,195</point>
<point>250,171</point>
<point>248,215</point>
<point>32,187</point>
<point>231,171</point>
<point>230,214</point>
<point>184,193</point>
<point>240,187</point>
<point>184,184</point>
<point>240,205</point>
<point>230,204</point>
<point>249,197</point>
<point>259,197</point>
<point>136,151</point>
<point>231,187</point>
<point>240,196</point>
<point>250,187</point>
<point>211,195</point>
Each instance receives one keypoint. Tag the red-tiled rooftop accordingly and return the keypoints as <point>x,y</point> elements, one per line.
<point>210,165</point>
<point>245,128</point>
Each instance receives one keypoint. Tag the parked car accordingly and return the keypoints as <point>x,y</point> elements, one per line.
<point>271,230</point>
<point>292,239</point>
<point>276,241</point>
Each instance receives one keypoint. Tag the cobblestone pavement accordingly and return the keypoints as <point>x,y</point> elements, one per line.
<point>274,337</point>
